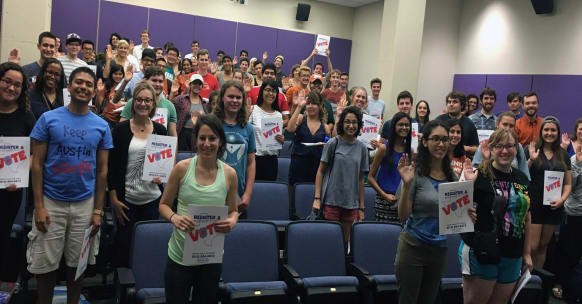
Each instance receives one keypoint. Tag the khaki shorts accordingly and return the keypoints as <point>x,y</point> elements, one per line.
<point>68,222</point>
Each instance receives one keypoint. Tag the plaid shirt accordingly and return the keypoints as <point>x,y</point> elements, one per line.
<point>483,122</point>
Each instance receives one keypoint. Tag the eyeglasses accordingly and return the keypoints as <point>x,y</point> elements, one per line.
<point>9,82</point>
<point>501,147</point>
<point>143,100</point>
<point>437,139</point>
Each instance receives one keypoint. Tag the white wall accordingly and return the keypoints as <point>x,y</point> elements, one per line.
<point>440,42</point>
<point>366,44</point>
<point>507,37</point>
<point>324,18</point>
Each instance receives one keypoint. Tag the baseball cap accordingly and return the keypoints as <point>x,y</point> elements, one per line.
<point>148,53</point>
<point>197,77</point>
<point>315,77</point>
<point>73,37</point>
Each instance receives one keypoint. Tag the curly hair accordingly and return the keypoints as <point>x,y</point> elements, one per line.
<point>354,110</point>
<point>23,100</point>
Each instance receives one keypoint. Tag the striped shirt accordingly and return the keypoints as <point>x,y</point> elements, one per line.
<point>69,65</point>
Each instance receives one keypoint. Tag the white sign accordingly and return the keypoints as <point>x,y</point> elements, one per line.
<point>525,277</point>
<point>553,181</point>
<point>370,130</point>
<point>204,245</point>
<point>85,252</point>
<point>322,44</point>
<point>454,200</point>
<point>14,161</point>
<point>66,97</point>
<point>414,137</point>
<point>270,127</point>
<point>161,116</point>
<point>484,134</point>
<point>160,156</point>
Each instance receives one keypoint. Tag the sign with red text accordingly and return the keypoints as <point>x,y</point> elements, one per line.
<point>414,137</point>
<point>85,252</point>
<point>370,130</point>
<point>455,199</point>
<point>14,161</point>
<point>161,116</point>
<point>322,44</point>
<point>270,127</point>
<point>553,181</point>
<point>160,156</point>
<point>203,245</point>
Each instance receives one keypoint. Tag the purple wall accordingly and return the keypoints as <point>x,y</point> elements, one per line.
<point>256,39</point>
<point>469,83</point>
<point>127,20</point>
<point>505,84</point>
<point>73,16</point>
<point>205,30</point>
<point>294,46</point>
<point>340,51</point>
<point>180,30</point>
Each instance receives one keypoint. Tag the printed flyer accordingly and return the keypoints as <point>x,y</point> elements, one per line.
<point>204,245</point>
<point>161,116</point>
<point>454,200</point>
<point>14,161</point>
<point>370,130</point>
<point>270,127</point>
<point>322,44</point>
<point>160,156</point>
<point>553,181</point>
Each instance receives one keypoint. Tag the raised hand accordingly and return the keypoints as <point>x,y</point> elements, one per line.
<point>327,52</point>
<point>247,85</point>
<point>565,141</point>
<point>285,83</point>
<point>343,103</point>
<point>175,86</point>
<point>109,52</point>
<point>406,169</point>
<point>14,57</point>
<point>314,52</point>
<point>579,154</point>
<point>265,56</point>
<point>131,46</point>
<point>533,152</point>
<point>485,151</point>
<point>234,60</point>
<point>213,67</point>
<point>470,174</point>
<point>128,73</point>
<point>100,86</point>
<point>299,99</point>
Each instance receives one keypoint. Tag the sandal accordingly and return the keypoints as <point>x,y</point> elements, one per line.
<point>557,292</point>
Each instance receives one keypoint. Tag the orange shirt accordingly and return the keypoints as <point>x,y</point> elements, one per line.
<point>527,130</point>
<point>290,93</point>
<point>457,164</point>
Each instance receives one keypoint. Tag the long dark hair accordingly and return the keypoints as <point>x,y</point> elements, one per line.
<point>22,101</point>
<point>423,157</point>
<point>459,148</point>
<point>354,110</point>
<point>271,83</point>
<point>109,81</point>
<point>241,117</point>
<point>426,118</point>
<point>578,122</point>
<point>393,138</point>
<point>557,160</point>
<point>40,79</point>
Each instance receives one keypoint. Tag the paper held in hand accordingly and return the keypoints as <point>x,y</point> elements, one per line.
<point>204,245</point>
<point>270,127</point>
<point>322,44</point>
<point>85,252</point>
<point>161,116</point>
<point>454,200</point>
<point>553,181</point>
<point>14,161</point>
<point>66,97</point>
<point>160,156</point>
<point>525,277</point>
<point>484,134</point>
<point>414,137</point>
<point>370,130</point>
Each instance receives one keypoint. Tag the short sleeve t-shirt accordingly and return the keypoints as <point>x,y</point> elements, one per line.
<point>240,141</point>
<point>73,141</point>
<point>376,107</point>
<point>17,123</point>
<point>164,103</point>
<point>210,84</point>
<point>341,184</point>
<point>333,97</point>
<point>69,65</point>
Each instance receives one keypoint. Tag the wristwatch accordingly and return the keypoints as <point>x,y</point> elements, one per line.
<point>98,212</point>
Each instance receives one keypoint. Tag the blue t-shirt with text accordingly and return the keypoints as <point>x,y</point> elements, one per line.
<point>71,158</point>
<point>240,141</point>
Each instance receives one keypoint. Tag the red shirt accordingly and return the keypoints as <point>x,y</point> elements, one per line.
<point>210,84</point>
<point>283,104</point>
<point>333,97</point>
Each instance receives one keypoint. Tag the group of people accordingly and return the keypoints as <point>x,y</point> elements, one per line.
<point>96,141</point>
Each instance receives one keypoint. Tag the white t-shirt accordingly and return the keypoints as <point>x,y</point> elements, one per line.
<point>70,65</point>
<point>376,107</point>
<point>188,56</point>
<point>255,120</point>
<point>138,191</point>
<point>138,49</point>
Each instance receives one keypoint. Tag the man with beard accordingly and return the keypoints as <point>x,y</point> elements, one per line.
<point>455,102</point>
<point>485,119</point>
<point>527,128</point>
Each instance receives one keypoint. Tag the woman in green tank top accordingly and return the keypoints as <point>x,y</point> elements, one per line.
<point>201,180</point>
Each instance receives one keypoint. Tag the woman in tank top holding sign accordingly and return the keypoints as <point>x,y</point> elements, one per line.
<point>201,180</point>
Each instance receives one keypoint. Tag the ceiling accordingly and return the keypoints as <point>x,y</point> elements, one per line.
<point>349,3</point>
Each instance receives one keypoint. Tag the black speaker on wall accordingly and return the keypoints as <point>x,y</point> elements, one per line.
<point>303,12</point>
<point>543,6</point>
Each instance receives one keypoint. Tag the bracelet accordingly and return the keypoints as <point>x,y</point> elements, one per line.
<point>171,216</point>
<point>317,198</point>
<point>361,209</point>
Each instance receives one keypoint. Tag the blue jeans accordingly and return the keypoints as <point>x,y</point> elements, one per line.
<point>180,279</point>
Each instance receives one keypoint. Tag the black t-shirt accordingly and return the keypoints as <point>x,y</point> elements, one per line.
<point>504,201</point>
<point>470,136</point>
<point>537,173</point>
<point>17,123</point>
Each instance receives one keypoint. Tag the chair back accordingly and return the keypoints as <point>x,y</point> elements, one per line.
<point>184,155</point>
<point>269,201</point>
<point>369,199</point>
<point>303,200</point>
<point>287,148</point>
<point>149,253</point>
<point>373,246</point>
<point>283,166</point>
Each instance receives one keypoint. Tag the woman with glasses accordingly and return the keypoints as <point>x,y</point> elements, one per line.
<point>546,155</point>
<point>47,93</point>
<point>267,107</point>
<point>132,198</point>
<point>16,120</point>
<point>502,205</point>
<point>421,255</point>
<point>385,164</point>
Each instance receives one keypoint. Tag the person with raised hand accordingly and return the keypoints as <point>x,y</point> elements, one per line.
<point>502,210</point>
<point>545,154</point>
<point>421,255</point>
<point>385,165</point>
<point>106,93</point>
<point>201,180</point>
<point>122,58</point>
<point>47,48</point>
<point>339,184</point>
<point>134,199</point>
